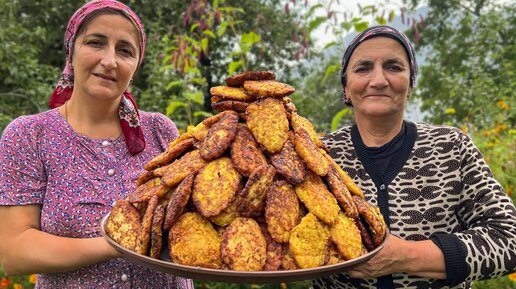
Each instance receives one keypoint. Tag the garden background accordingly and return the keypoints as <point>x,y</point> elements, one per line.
<point>466,50</point>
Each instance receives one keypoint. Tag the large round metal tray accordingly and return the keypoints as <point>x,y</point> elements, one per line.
<point>229,276</point>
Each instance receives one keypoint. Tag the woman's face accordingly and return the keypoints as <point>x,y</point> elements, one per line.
<point>378,75</point>
<point>105,57</point>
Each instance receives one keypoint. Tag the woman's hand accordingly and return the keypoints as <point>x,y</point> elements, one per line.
<point>419,258</point>
<point>25,249</point>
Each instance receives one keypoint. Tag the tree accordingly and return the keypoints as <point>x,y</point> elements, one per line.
<point>469,75</point>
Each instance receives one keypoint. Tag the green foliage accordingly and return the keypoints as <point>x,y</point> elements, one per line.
<point>499,283</point>
<point>470,64</point>
<point>320,100</point>
<point>25,82</point>
<point>16,282</point>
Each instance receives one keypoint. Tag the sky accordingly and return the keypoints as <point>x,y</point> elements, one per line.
<point>322,37</point>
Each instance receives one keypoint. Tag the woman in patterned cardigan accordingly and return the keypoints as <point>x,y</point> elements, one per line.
<point>450,221</point>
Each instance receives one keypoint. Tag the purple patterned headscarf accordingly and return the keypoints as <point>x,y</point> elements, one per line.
<point>128,109</point>
<point>376,31</point>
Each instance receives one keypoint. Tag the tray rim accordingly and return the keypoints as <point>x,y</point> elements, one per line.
<point>231,276</point>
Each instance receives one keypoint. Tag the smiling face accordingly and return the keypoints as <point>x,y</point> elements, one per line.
<point>105,57</point>
<point>378,77</point>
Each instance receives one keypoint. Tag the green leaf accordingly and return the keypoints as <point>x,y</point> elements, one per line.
<point>316,23</point>
<point>336,119</point>
<point>330,44</point>
<point>202,113</point>
<point>204,44</point>
<point>196,97</point>
<point>174,84</point>
<point>194,26</point>
<point>209,33</point>
<point>331,69</point>
<point>346,25</point>
<point>361,26</point>
<point>250,37</point>
<point>312,10</point>
<point>380,20</point>
<point>233,66</point>
<point>232,9</point>
<point>247,40</point>
<point>222,28</point>
<point>173,106</point>
<point>392,15</point>
<point>215,4</point>
<point>198,80</point>
<point>368,9</point>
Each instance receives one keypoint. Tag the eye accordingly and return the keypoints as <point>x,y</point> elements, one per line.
<point>360,69</point>
<point>395,67</point>
<point>94,43</point>
<point>127,52</point>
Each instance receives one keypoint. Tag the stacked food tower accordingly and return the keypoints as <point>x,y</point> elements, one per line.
<point>251,188</point>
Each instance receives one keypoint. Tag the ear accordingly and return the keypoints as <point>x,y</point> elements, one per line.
<point>409,92</point>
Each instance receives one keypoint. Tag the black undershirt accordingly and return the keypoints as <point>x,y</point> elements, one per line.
<point>383,155</point>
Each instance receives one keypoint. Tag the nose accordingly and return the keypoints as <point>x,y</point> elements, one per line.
<point>108,59</point>
<point>378,79</point>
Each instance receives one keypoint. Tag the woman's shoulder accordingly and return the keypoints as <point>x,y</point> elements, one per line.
<point>31,125</point>
<point>440,131</point>
<point>154,118</point>
<point>342,134</point>
<point>158,124</point>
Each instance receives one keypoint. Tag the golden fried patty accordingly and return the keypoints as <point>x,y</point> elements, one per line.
<point>268,88</point>
<point>188,164</point>
<point>209,121</point>
<point>350,184</point>
<point>193,241</point>
<point>170,154</point>
<point>319,201</point>
<point>233,93</point>
<point>224,218</point>
<point>215,187</point>
<point>156,236</point>
<point>339,189</point>
<point>243,246</point>
<point>310,153</point>
<point>281,210</point>
<point>177,201</point>
<point>219,138</point>
<point>123,224</point>
<point>238,80</point>
<point>373,218</point>
<point>267,121</point>
<point>252,197</point>
<point>298,121</point>
<point>245,153</point>
<point>289,164</point>
<point>143,237</point>
<point>274,250</point>
<point>309,242</point>
<point>346,236</point>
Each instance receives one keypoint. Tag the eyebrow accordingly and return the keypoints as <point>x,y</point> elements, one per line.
<point>394,60</point>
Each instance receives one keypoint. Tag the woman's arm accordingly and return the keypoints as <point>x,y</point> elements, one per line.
<point>418,258</point>
<point>25,249</point>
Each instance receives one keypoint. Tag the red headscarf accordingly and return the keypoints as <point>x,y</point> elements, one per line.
<point>128,109</point>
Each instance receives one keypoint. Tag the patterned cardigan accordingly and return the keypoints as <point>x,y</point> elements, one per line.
<point>438,188</point>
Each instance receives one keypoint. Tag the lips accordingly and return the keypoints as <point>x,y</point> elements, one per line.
<point>107,77</point>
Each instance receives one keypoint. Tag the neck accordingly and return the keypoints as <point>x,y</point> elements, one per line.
<point>376,133</point>
<point>96,119</point>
